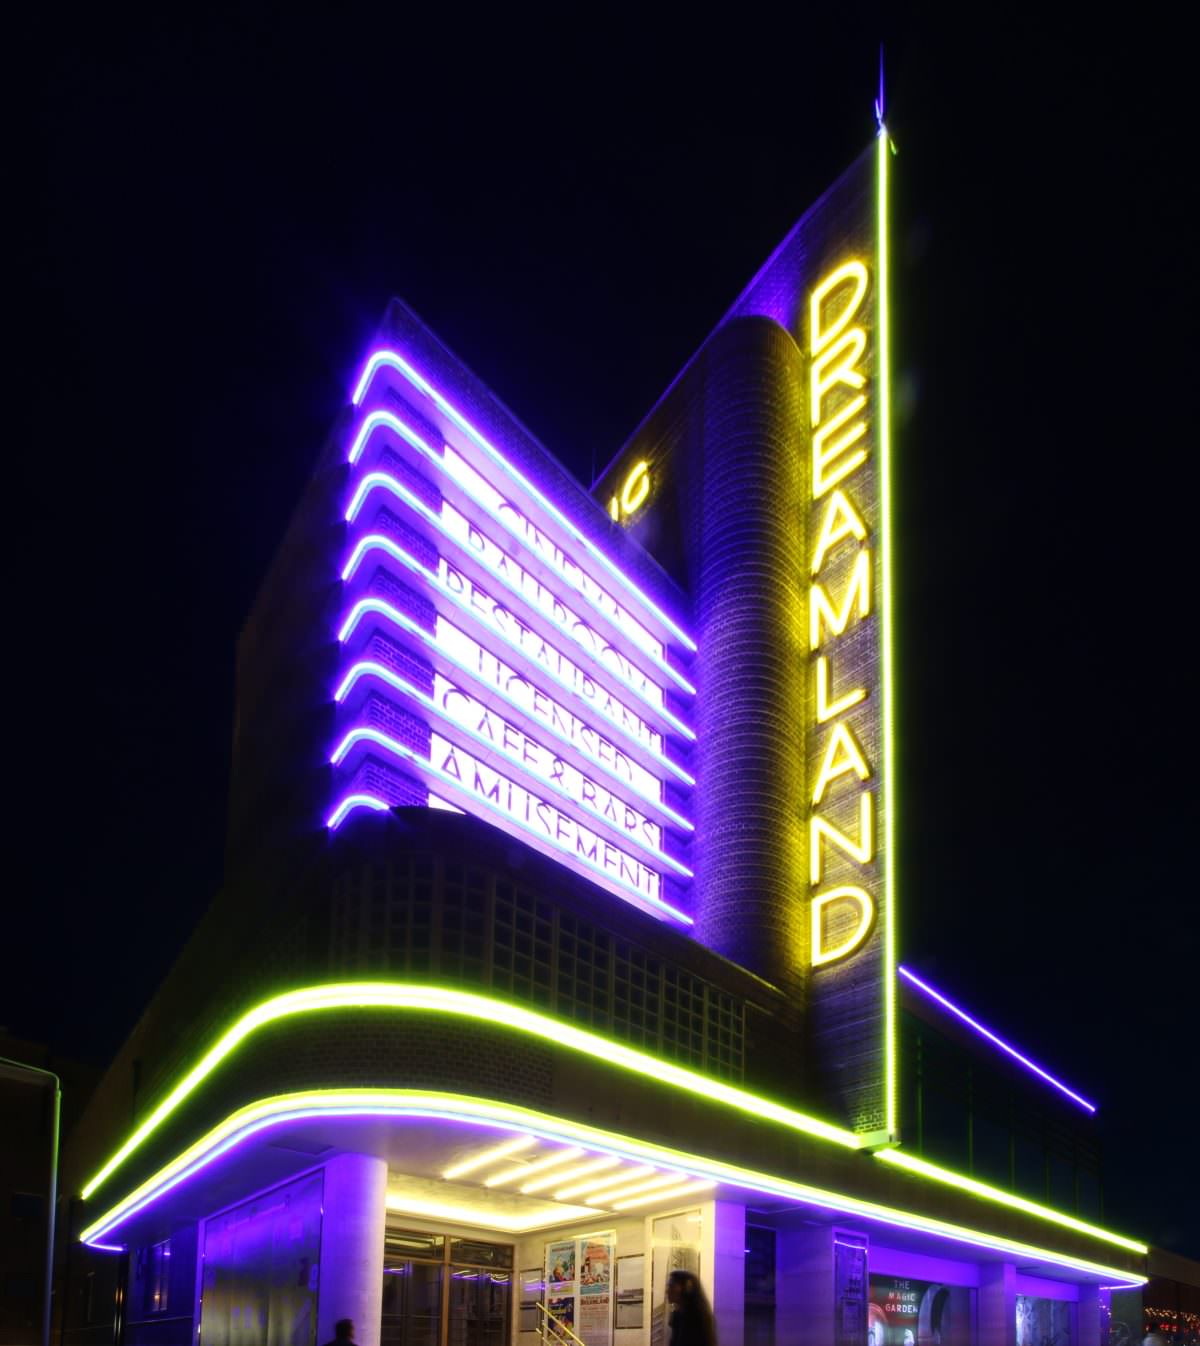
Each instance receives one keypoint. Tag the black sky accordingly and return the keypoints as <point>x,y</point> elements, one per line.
<point>213,213</point>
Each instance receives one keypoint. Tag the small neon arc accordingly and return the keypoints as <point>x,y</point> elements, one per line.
<point>385,481</point>
<point>349,803</point>
<point>397,618</point>
<point>406,1103</point>
<point>381,542</point>
<point>394,360</point>
<point>368,668</point>
<point>369,734</point>
<point>994,1038</point>
<point>402,996</point>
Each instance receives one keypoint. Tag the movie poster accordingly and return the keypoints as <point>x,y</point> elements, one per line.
<point>595,1292</point>
<point>1043,1322</point>
<point>563,1309</point>
<point>560,1268</point>
<point>907,1312</point>
<point>579,1287</point>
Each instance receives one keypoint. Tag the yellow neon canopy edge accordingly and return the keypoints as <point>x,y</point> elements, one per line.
<point>399,995</point>
<point>415,1102</point>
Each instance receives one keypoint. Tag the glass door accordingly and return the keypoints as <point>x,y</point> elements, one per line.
<point>439,1291</point>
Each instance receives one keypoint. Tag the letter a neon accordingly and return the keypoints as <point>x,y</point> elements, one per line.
<point>840,520</point>
<point>842,754</point>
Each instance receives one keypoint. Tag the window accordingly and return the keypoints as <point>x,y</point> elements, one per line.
<point>156,1277</point>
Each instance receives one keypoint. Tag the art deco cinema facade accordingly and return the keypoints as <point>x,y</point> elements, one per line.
<point>557,943</point>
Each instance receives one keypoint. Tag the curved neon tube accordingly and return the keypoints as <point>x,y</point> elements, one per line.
<point>487,1009</point>
<point>379,480</point>
<point>368,668</point>
<point>993,1038</point>
<point>381,542</point>
<point>397,362</point>
<point>402,1103</point>
<point>902,1159</point>
<point>352,802</point>
<point>368,734</point>
<point>397,618</point>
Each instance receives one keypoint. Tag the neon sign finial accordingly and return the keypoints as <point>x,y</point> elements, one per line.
<point>879,99</point>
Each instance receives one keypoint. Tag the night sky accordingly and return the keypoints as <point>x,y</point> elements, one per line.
<point>213,214</point>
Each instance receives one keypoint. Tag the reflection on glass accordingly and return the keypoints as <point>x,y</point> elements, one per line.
<point>479,1307</point>
<point>412,1302</point>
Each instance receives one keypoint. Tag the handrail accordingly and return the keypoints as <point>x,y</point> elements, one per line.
<point>560,1325</point>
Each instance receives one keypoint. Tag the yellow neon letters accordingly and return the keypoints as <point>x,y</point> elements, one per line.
<point>839,415</point>
<point>820,829</point>
<point>632,495</point>
<point>826,709</point>
<point>819,336</point>
<point>849,895</point>
<point>839,520</point>
<point>821,611</point>
<point>842,755</point>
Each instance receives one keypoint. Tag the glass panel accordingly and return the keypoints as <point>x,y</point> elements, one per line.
<point>408,1243</point>
<point>412,1302</point>
<point>479,1307</point>
<point>481,1254</point>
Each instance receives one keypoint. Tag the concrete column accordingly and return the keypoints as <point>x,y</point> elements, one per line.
<point>1092,1315</point>
<point>728,1283</point>
<point>352,1232</point>
<point>997,1304</point>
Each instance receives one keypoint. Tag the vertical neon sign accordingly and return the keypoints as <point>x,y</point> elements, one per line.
<point>851,818</point>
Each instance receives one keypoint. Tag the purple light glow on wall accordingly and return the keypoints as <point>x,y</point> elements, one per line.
<point>993,1038</point>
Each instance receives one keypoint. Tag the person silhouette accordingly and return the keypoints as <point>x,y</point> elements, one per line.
<point>691,1320</point>
<point>343,1333</point>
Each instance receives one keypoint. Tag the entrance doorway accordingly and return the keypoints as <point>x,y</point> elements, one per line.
<point>442,1291</point>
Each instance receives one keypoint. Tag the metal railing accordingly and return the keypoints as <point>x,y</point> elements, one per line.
<point>553,1331</point>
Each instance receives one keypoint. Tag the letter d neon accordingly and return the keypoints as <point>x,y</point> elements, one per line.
<point>859,900</point>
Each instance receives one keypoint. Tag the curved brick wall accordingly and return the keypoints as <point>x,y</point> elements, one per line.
<point>736,417</point>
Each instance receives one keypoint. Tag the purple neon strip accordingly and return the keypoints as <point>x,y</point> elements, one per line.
<point>399,555</point>
<point>368,668</point>
<point>380,542</point>
<point>352,802</point>
<point>377,479</point>
<point>367,734</point>
<point>393,422</point>
<point>507,821</point>
<point>299,1115</point>
<point>993,1038</point>
<point>386,610</point>
<point>381,479</point>
<point>380,358</point>
<point>545,1134</point>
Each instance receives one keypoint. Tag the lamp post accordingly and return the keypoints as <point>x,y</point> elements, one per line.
<point>19,1070</point>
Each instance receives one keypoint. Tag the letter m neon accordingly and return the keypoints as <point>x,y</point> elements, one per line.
<point>821,611</point>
